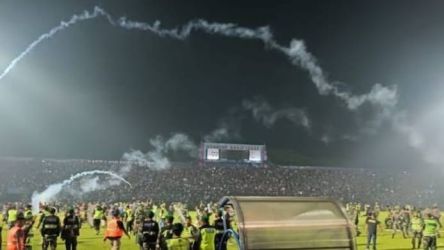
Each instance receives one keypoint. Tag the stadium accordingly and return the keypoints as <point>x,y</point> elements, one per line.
<point>221,170</point>
<point>247,125</point>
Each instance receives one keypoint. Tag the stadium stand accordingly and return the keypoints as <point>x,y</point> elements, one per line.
<point>19,178</point>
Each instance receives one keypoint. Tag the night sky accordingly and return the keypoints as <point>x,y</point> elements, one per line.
<point>96,91</point>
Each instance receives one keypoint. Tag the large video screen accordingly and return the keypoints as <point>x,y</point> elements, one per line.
<point>234,155</point>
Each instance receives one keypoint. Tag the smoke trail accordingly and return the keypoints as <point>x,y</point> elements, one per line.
<point>267,115</point>
<point>382,97</point>
<point>86,15</point>
<point>50,193</point>
<point>296,52</point>
<point>157,158</point>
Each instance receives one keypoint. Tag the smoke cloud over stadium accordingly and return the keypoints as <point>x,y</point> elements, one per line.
<point>218,134</point>
<point>157,158</point>
<point>425,134</point>
<point>296,52</point>
<point>171,78</point>
<point>267,115</point>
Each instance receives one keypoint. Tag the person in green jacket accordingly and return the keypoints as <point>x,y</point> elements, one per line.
<point>207,235</point>
<point>177,242</point>
<point>97,218</point>
<point>12,216</point>
<point>431,228</point>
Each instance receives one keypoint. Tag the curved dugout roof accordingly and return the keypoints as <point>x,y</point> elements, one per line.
<point>291,223</point>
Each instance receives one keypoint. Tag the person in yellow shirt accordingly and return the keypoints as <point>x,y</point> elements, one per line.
<point>12,216</point>
<point>190,231</point>
<point>177,242</point>
<point>129,218</point>
<point>207,235</point>
<point>98,215</point>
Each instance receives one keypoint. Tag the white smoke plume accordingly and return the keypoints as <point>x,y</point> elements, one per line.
<point>326,139</point>
<point>382,97</point>
<point>157,158</point>
<point>296,52</point>
<point>217,135</point>
<point>425,134</point>
<point>91,184</point>
<point>51,192</point>
<point>267,115</point>
<point>228,128</point>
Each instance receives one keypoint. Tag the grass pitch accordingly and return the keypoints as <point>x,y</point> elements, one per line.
<point>88,240</point>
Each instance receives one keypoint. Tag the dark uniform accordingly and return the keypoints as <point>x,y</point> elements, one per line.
<point>398,223</point>
<point>149,232</point>
<point>42,214</point>
<point>372,228</point>
<point>166,232</point>
<point>71,230</point>
<point>50,230</point>
<point>219,226</point>
<point>406,221</point>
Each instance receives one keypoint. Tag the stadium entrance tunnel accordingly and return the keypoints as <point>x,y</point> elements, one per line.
<point>287,223</point>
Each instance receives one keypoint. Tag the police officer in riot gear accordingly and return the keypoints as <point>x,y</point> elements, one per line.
<point>50,230</point>
<point>219,226</point>
<point>149,232</point>
<point>70,230</point>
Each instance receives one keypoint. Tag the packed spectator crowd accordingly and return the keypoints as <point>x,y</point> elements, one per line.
<point>193,183</point>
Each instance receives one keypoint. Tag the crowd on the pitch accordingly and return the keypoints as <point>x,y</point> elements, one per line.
<point>193,183</point>
<point>154,226</point>
<point>420,225</point>
<point>170,225</point>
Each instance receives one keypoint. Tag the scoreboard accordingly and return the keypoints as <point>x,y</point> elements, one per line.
<point>226,152</point>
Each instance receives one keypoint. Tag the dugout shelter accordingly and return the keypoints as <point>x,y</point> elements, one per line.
<point>290,223</point>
